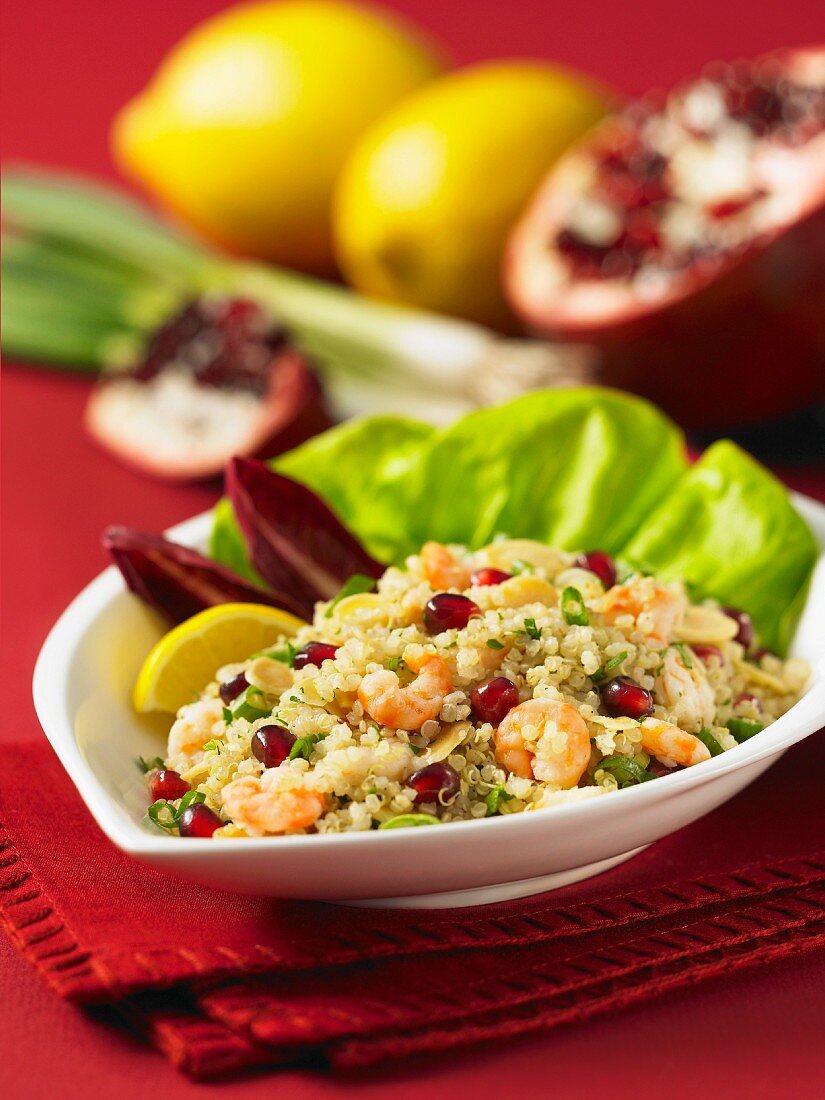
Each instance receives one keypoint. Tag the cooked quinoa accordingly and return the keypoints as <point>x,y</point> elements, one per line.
<point>630,681</point>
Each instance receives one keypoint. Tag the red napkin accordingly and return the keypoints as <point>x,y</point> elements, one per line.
<point>222,983</point>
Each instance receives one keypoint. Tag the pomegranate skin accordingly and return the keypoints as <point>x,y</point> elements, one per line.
<point>741,342</point>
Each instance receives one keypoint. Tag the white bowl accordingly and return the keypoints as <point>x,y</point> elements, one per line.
<point>82,687</point>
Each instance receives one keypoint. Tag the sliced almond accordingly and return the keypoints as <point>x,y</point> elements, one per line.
<point>357,604</point>
<point>270,676</point>
<point>758,676</point>
<point>449,739</point>
<point>706,624</point>
<point>502,555</point>
<point>526,588</point>
<point>615,725</point>
<point>583,579</point>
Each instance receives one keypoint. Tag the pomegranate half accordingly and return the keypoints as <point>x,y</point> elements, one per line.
<point>685,240</point>
<point>218,379</point>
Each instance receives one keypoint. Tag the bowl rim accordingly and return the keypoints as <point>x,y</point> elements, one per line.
<point>53,666</point>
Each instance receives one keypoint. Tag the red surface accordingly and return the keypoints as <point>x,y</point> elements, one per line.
<point>65,70</point>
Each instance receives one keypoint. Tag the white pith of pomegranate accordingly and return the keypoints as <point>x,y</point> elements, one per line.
<point>218,379</point>
<point>652,234</point>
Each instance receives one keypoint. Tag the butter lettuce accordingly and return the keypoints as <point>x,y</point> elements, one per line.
<point>580,468</point>
<point>729,529</point>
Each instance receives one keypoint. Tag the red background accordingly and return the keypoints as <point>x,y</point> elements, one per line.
<point>66,68</point>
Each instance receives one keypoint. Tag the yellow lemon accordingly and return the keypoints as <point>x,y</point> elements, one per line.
<point>247,122</point>
<point>427,196</point>
<point>185,660</point>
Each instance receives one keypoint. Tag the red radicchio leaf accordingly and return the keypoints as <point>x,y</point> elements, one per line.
<point>295,541</point>
<point>178,581</point>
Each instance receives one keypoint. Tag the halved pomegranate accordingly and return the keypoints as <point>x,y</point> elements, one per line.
<point>685,240</point>
<point>220,378</point>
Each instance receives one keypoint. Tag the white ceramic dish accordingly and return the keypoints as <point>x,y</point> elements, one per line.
<point>82,686</point>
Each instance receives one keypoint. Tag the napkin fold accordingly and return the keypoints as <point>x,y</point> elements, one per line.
<point>222,983</point>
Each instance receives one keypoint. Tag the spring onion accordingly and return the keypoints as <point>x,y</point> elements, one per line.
<point>743,729</point>
<point>573,608</point>
<point>89,273</point>
<point>710,742</point>
<point>625,770</point>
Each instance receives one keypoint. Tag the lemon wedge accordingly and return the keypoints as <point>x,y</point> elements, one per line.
<point>186,659</point>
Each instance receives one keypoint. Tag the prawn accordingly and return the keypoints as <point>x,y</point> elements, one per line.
<point>254,803</point>
<point>407,708</point>
<point>193,727</point>
<point>560,751</point>
<point>657,610</point>
<point>685,692</point>
<point>672,746</point>
<point>441,568</point>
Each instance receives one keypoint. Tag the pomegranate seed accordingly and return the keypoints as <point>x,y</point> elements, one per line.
<point>705,652</point>
<point>198,820</point>
<point>746,635</point>
<point>168,785</point>
<point>599,563</point>
<point>314,653</point>
<point>625,698</point>
<point>231,689</point>
<point>448,611</point>
<point>272,744</point>
<point>483,577</point>
<point>434,780</point>
<point>493,700</point>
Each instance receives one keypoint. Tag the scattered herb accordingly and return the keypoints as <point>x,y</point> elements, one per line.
<point>304,745</point>
<point>286,655</point>
<point>404,821</point>
<point>212,746</point>
<point>494,643</point>
<point>152,765</point>
<point>166,816</point>
<point>684,653</point>
<point>707,739</point>
<point>743,728</point>
<point>227,715</point>
<point>358,582</point>
<point>625,770</point>
<point>494,799</point>
<point>611,666</point>
<point>415,750</point>
<point>397,664</point>
<point>572,607</point>
<point>518,566</point>
<point>531,629</point>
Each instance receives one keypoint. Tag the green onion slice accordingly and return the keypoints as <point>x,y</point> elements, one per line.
<point>572,607</point>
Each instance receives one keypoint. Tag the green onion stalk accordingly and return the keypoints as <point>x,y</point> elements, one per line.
<point>89,273</point>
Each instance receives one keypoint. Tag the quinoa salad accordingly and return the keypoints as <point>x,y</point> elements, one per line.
<point>468,684</point>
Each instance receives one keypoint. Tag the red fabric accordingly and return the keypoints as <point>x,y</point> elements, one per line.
<point>221,983</point>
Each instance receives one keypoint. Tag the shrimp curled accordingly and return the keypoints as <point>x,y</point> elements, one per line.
<point>193,727</point>
<point>441,568</point>
<point>671,746</point>
<point>253,803</point>
<point>657,610</point>
<point>685,690</point>
<point>407,708</point>
<point>558,755</point>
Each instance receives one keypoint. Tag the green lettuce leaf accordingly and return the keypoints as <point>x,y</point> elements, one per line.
<point>729,529</point>
<point>583,469</point>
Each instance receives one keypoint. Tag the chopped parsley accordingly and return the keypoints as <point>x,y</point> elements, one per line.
<point>494,799</point>
<point>357,583</point>
<point>743,728</point>
<point>572,607</point>
<point>212,746</point>
<point>611,666</point>
<point>155,764</point>
<point>625,770</point>
<point>397,664</point>
<point>166,816</point>
<point>286,655</point>
<point>494,643</point>
<point>531,630</point>
<point>684,653</point>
